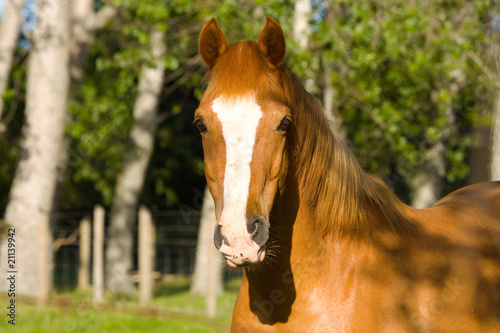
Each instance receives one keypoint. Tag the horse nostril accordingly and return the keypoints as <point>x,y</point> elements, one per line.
<point>252,228</point>
<point>259,230</point>
<point>219,238</point>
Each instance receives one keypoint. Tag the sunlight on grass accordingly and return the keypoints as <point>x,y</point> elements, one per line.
<point>176,297</point>
<point>31,319</point>
<point>174,309</point>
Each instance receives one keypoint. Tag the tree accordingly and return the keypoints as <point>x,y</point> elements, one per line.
<point>131,179</point>
<point>301,23</point>
<point>103,106</point>
<point>51,46</point>
<point>85,21</point>
<point>330,94</point>
<point>494,72</point>
<point>205,245</point>
<point>495,141</point>
<point>406,85</point>
<point>32,191</point>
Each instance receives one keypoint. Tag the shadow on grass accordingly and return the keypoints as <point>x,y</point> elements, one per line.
<point>172,286</point>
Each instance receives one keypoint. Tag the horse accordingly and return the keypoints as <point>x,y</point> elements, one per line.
<point>325,246</point>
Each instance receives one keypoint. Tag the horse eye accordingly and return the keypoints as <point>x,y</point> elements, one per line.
<point>284,124</point>
<point>201,127</point>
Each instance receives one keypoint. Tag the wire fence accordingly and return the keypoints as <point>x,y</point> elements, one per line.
<point>176,241</point>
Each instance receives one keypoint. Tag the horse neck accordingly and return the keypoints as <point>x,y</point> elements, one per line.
<point>330,180</point>
<point>344,198</point>
<point>297,261</point>
<point>326,204</point>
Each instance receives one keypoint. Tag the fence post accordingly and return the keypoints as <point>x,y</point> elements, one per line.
<point>146,255</point>
<point>211,296</point>
<point>98,251</point>
<point>84,264</point>
<point>43,261</point>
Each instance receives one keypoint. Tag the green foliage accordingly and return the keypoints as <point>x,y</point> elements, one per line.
<point>13,118</point>
<point>402,72</point>
<point>177,166</point>
<point>403,75</point>
<point>102,108</point>
<point>102,111</point>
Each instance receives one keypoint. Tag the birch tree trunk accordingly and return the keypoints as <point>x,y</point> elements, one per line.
<point>32,191</point>
<point>131,179</point>
<point>205,249</point>
<point>427,184</point>
<point>81,31</point>
<point>9,33</point>
<point>329,95</point>
<point>495,141</point>
<point>85,21</point>
<point>301,25</point>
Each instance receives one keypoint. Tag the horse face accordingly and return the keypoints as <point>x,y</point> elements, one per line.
<point>243,133</point>
<point>244,148</point>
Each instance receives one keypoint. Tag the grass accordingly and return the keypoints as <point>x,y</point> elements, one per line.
<point>175,309</point>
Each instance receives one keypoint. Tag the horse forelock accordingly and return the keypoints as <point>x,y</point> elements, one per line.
<point>242,71</point>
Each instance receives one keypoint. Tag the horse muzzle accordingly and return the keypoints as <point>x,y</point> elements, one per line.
<point>242,245</point>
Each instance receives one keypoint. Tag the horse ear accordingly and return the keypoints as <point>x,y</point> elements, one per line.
<point>212,43</point>
<point>272,43</point>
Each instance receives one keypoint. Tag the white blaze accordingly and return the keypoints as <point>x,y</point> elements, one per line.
<point>239,119</point>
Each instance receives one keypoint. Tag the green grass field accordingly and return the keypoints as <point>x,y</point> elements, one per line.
<point>174,309</point>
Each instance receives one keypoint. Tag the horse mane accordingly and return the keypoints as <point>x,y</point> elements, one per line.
<point>329,175</point>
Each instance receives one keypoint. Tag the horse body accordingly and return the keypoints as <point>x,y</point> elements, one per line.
<point>444,276</point>
<point>327,247</point>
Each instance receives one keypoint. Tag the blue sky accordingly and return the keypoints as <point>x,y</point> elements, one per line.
<point>28,11</point>
<point>28,14</point>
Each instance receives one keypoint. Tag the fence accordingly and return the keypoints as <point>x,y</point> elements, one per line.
<point>176,241</point>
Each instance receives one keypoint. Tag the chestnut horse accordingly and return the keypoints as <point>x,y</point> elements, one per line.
<point>325,246</point>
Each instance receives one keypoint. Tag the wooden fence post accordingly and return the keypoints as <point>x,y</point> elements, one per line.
<point>211,296</point>
<point>146,255</point>
<point>43,261</point>
<point>84,264</point>
<point>98,251</point>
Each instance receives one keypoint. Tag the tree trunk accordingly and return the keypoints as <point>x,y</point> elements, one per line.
<point>9,33</point>
<point>131,179</point>
<point>329,99</point>
<point>428,181</point>
<point>427,184</point>
<point>32,191</point>
<point>495,142</point>
<point>329,91</point>
<point>81,30</point>
<point>301,25</point>
<point>85,21</point>
<point>205,250</point>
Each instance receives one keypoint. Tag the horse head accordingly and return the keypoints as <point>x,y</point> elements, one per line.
<point>243,119</point>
